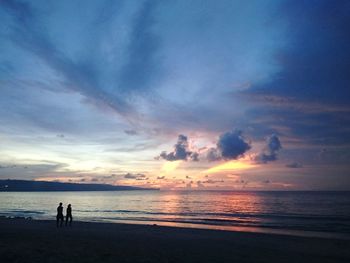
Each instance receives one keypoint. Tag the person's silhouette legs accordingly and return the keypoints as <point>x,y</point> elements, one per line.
<point>59,220</point>
<point>70,218</point>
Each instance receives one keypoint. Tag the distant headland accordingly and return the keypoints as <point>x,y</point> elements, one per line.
<point>41,186</point>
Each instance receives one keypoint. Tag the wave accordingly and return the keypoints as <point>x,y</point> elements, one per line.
<point>339,224</point>
<point>23,212</point>
<point>342,228</point>
<point>304,222</point>
<point>226,215</point>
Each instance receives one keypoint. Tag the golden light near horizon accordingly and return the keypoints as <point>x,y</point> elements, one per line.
<point>170,166</point>
<point>230,166</point>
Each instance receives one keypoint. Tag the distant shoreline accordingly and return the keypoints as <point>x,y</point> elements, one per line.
<point>40,241</point>
<point>117,190</point>
<point>45,186</point>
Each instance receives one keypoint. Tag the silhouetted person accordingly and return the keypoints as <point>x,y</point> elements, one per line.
<point>59,216</point>
<point>69,215</point>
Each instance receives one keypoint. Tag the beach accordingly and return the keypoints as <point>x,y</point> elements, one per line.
<point>40,241</point>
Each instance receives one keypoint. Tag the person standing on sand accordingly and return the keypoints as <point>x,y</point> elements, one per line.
<point>69,215</point>
<point>59,216</point>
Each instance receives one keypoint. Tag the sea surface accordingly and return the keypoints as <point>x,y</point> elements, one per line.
<point>280,212</point>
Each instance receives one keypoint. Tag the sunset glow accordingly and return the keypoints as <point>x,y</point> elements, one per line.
<point>134,96</point>
<point>170,166</point>
<point>230,166</point>
<point>126,124</point>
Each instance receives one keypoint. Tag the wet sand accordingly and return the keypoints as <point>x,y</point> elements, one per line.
<point>40,241</point>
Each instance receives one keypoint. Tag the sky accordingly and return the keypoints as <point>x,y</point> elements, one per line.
<point>234,95</point>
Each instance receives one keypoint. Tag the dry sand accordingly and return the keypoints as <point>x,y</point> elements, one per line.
<point>40,241</point>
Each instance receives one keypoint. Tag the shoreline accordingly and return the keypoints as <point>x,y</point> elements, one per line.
<point>37,240</point>
<point>203,226</point>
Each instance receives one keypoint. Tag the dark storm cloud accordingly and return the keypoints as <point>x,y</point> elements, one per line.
<point>180,152</point>
<point>232,145</point>
<point>270,151</point>
<point>273,143</point>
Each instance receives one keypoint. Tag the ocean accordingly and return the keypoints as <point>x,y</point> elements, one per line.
<point>309,213</point>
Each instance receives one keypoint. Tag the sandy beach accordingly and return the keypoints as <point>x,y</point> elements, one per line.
<point>40,241</point>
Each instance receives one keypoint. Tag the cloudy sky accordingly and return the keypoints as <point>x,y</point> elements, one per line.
<point>176,94</point>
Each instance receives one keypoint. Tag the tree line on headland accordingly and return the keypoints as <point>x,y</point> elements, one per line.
<point>34,186</point>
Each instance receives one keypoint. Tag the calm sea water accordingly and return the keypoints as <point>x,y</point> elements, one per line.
<point>291,211</point>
